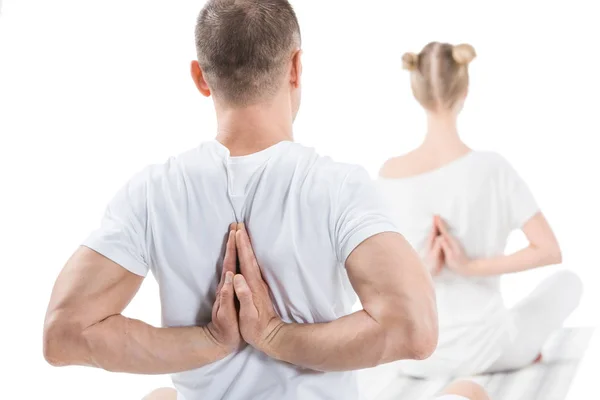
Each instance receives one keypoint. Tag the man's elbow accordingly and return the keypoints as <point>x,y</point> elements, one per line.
<point>59,336</point>
<point>416,338</point>
<point>423,328</point>
<point>423,341</point>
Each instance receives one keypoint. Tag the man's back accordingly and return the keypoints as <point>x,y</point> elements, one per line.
<point>304,213</point>
<point>311,221</point>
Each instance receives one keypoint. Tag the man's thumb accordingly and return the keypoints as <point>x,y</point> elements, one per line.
<point>242,290</point>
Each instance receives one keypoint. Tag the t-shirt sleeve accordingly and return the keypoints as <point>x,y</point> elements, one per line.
<point>520,203</point>
<point>122,234</point>
<point>360,213</point>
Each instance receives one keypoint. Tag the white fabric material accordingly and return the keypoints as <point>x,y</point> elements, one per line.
<point>537,317</point>
<point>483,200</point>
<point>305,215</point>
<point>551,379</point>
<point>451,397</point>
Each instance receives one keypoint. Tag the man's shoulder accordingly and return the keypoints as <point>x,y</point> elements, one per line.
<point>316,168</point>
<point>200,157</point>
<point>325,169</point>
<point>159,174</point>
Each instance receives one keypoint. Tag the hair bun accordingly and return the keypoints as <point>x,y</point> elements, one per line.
<point>410,61</point>
<point>463,54</point>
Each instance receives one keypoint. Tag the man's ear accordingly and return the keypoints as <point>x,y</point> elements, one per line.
<point>199,81</point>
<point>296,73</point>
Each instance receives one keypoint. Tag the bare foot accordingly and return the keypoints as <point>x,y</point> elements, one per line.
<point>162,394</point>
<point>467,389</point>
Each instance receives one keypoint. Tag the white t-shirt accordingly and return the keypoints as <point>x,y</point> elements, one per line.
<point>483,200</point>
<point>305,215</point>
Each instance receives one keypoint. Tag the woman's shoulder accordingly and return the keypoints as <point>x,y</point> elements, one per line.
<point>403,166</point>
<point>418,164</point>
<point>490,158</point>
<point>490,166</point>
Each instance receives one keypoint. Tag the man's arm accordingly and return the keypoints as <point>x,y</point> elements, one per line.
<point>84,325</point>
<point>398,320</point>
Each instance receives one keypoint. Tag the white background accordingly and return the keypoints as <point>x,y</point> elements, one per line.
<point>91,92</point>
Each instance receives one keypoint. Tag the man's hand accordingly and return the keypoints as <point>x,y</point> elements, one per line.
<point>434,255</point>
<point>257,317</point>
<point>224,328</point>
<point>454,254</point>
<point>84,325</point>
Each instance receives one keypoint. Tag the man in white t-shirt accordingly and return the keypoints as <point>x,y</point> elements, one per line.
<point>319,233</point>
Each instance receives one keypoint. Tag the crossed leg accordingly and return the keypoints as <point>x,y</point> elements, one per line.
<point>162,394</point>
<point>537,317</point>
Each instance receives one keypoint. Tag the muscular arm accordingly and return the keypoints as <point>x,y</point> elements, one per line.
<point>399,319</point>
<point>543,250</point>
<point>84,325</point>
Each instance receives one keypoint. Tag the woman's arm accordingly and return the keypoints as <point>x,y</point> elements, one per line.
<point>543,250</point>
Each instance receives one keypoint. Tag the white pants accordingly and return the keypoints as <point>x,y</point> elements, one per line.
<point>537,317</point>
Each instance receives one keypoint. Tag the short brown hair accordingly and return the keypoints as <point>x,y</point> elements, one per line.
<point>440,74</point>
<point>244,46</point>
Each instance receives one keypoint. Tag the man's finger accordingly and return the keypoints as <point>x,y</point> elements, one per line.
<point>230,259</point>
<point>226,297</point>
<point>244,295</point>
<point>248,265</point>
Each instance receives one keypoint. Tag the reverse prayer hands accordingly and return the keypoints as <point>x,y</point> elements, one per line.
<point>224,328</point>
<point>258,320</point>
<point>453,253</point>
<point>434,256</point>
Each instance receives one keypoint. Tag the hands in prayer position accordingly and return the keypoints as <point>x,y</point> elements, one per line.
<point>444,248</point>
<point>224,327</point>
<point>256,321</point>
<point>434,256</point>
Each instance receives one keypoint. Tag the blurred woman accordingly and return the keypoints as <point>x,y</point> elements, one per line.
<point>457,207</point>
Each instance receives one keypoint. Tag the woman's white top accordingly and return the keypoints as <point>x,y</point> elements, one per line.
<point>482,199</point>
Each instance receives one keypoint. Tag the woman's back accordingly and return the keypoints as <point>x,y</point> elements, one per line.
<point>479,195</point>
<point>482,199</point>
<point>457,207</point>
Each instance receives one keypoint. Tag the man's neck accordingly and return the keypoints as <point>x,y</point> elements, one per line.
<point>252,129</point>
